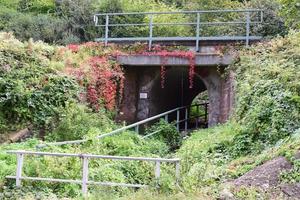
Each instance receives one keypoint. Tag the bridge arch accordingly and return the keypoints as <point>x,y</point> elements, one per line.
<point>144,97</point>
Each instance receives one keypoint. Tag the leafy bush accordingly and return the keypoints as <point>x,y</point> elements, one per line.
<point>39,27</point>
<point>273,23</point>
<point>290,10</point>
<point>268,89</point>
<point>126,144</point>
<point>78,122</point>
<point>36,6</point>
<point>31,91</point>
<point>166,132</point>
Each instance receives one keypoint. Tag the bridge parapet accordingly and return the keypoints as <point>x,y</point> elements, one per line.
<point>201,26</point>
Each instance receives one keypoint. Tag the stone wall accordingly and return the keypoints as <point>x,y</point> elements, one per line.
<point>146,81</point>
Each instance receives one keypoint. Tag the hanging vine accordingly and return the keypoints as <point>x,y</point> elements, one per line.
<point>95,68</point>
<point>189,55</point>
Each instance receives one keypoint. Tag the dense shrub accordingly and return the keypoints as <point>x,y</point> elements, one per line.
<point>166,132</point>
<point>273,23</point>
<point>126,144</point>
<point>290,10</point>
<point>78,122</point>
<point>39,27</point>
<point>31,90</point>
<point>268,91</point>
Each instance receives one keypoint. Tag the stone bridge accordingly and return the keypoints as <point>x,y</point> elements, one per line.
<point>143,95</point>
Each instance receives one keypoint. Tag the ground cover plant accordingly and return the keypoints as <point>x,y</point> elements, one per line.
<point>69,88</point>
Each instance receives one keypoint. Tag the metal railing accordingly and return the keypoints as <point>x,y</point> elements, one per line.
<point>136,125</point>
<point>104,21</point>
<point>85,169</point>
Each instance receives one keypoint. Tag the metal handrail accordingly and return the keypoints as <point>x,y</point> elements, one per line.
<point>199,23</point>
<point>134,125</point>
<point>85,168</point>
<point>181,12</point>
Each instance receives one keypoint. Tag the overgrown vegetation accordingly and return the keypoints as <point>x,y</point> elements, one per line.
<point>66,21</point>
<point>72,92</point>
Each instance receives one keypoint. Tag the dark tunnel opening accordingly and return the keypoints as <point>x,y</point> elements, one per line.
<point>177,93</point>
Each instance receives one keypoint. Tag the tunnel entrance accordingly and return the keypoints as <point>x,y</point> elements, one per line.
<point>143,96</point>
<point>176,92</point>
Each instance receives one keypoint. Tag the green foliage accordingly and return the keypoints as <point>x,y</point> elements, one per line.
<point>273,23</point>
<point>268,89</point>
<point>36,6</point>
<point>166,132</point>
<point>291,12</point>
<point>31,91</point>
<point>203,161</point>
<point>292,176</point>
<point>39,27</point>
<point>126,144</point>
<point>67,21</point>
<point>78,122</point>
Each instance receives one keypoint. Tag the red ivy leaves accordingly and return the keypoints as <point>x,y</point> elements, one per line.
<point>74,47</point>
<point>103,80</point>
<point>180,54</point>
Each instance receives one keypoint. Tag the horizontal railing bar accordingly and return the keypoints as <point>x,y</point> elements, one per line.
<point>212,38</point>
<point>150,134</point>
<point>139,123</point>
<point>61,143</point>
<point>117,184</point>
<point>93,156</point>
<point>115,25</point>
<point>111,133</point>
<point>46,179</point>
<point>182,24</point>
<point>78,181</point>
<point>179,12</point>
<point>117,130</point>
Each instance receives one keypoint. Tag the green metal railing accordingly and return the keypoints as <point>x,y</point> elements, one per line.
<point>136,126</point>
<point>246,18</point>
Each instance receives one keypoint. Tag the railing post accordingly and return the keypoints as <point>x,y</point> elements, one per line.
<point>177,119</point>
<point>198,32</point>
<point>96,20</point>
<point>106,29</point>
<point>20,158</point>
<point>137,129</point>
<point>177,171</point>
<point>167,118</point>
<point>157,170</point>
<point>206,113</point>
<point>186,119</point>
<point>197,118</point>
<point>150,31</point>
<point>85,172</point>
<point>247,28</point>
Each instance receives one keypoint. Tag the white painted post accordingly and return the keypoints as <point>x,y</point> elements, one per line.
<point>20,158</point>
<point>198,32</point>
<point>137,129</point>
<point>106,29</point>
<point>177,171</point>
<point>197,117</point>
<point>150,31</point>
<point>167,118</point>
<point>85,172</point>
<point>177,119</point>
<point>157,169</point>
<point>247,28</point>
<point>186,120</point>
